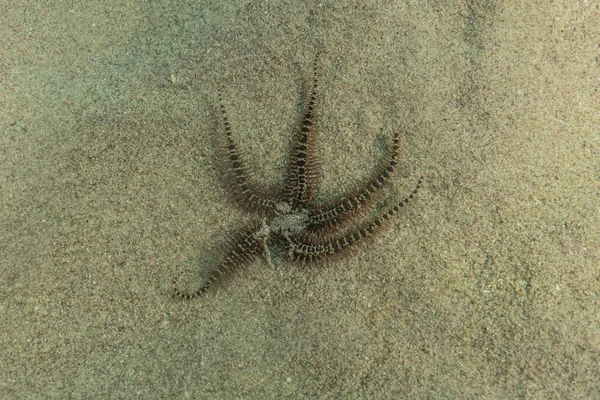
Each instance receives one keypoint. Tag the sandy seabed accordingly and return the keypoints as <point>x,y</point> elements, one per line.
<point>487,286</point>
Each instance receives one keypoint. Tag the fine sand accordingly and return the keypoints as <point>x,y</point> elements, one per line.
<point>486,286</point>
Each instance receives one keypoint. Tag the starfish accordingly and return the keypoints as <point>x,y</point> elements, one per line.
<point>305,231</point>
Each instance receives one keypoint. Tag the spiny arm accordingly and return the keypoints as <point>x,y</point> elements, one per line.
<point>305,250</point>
<point>241,250</point>
<point>244,189</point>
<point>302,176</point>
<point>331,216</point>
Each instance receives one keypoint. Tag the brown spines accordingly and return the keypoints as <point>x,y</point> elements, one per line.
<point>331,216</point>
<point>244,247</point>
<point>245,190</point>
<point>396,208</point>
<point>308,250</point>
<point>301,184</point>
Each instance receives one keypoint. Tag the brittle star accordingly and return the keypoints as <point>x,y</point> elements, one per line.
<point>291,220</point>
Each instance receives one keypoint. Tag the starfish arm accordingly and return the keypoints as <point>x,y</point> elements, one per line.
<point>331,216</point>
<point>301,183</point>
<point>243,187</point>
<point>241,250</point>
<point>306,250</point>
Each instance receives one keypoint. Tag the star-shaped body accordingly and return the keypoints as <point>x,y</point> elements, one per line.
<point>291,220</point>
